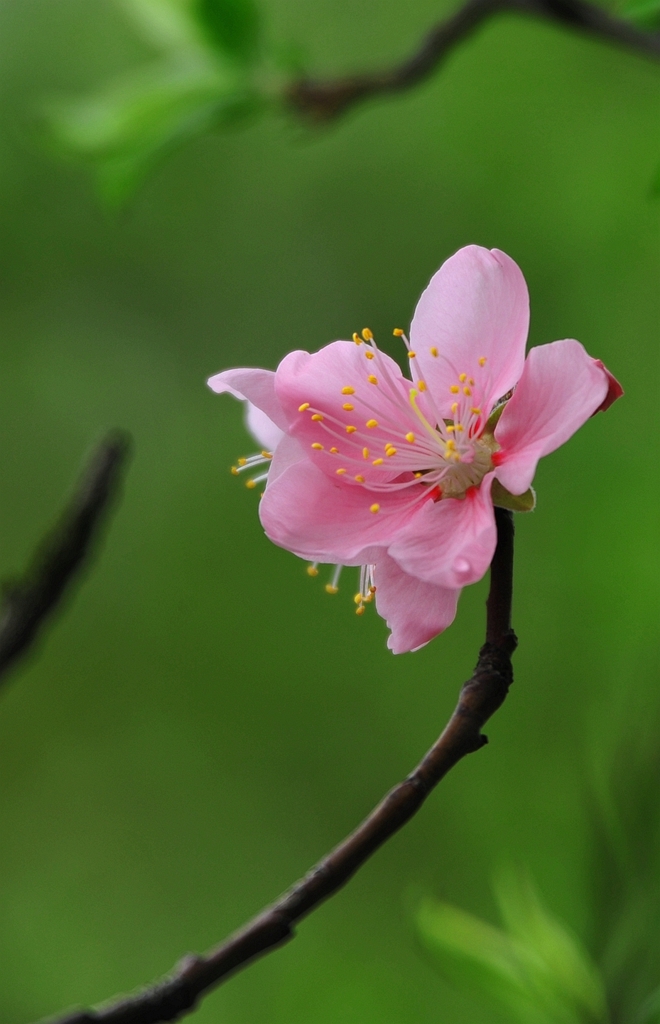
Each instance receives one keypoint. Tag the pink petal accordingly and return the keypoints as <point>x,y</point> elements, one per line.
<point>312,386</point>
<point>323,519</point>
<point>257,386</point>
<point>414,611</point>
<point>474,311</point>
<point>451,542</point>
<point>561,387</point>
<point>263,430</point>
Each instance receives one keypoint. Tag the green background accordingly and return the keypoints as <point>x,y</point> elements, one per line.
<point>203,722</point>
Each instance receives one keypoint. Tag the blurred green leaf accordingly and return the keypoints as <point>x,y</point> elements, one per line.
<point>166,24</point>
<point>499,967</point>
<point>646,13</point>
<point>232,26</point>
<point>650,1011</point>
<point>478,958</point>
<point>125,130</point>
<point>567,962</point>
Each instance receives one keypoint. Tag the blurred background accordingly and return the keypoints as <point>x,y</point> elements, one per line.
<point>203,721</point>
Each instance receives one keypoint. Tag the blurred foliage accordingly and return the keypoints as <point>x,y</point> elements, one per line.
<point>535,969</point>
<point>202,82</point>
<point>203,721</point>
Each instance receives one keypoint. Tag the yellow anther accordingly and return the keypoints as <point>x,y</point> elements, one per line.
<point>335,451</point>
<point>451,444</point>
<point>348,407</point>
<point>454,389</point>
<point>358,598</point>
<point>267,455</point>
<point>359,610</point>
<point>397,332</point>
<point>421,385</point>
<point>304,407</point>
<point>454,406</point>
<point>351,430</point>
<point>317,417</point>
<point>411,355</point>
<point>367,335</point>
<point>372,423</point>
<point>372,589</point>
<point>417,475</point>
<point>317,446</point>
<point>348,391</point>
<point>250,484</point>
<point>391,451</point>
<point>242,462</point>
<point>463,378</point>
<point>369,354</point>
<point>451,428</point>
<point>460,427</point>
<point>360,479</point>
<point>410,437</point>
<point>234,470</point>
<point>368,598</point>
<point>467,391</point>
<point>388,445</point>
<point>475,410</point>
<point>374,508</point>
<point>357,339</point>
<point>312,570</point>
<point>434,352</point>
<point>365,453</point>
<point>482,361</point>
<point>372,379</point>
<point>329,589</point>
<point>340,471</point>
<point>378,462</point>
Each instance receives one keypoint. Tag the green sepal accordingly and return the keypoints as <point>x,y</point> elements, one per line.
<point>515,502</point>
<point>494,418</point>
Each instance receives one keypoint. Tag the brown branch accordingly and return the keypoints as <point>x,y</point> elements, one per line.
<point>480,697</point>
<point>323,101</point>
<point>28,602</point>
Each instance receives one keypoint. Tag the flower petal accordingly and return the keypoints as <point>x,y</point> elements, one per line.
<point>346,409</point>
<point>414,611</point>
<point>451,542</point>
<point>614,390</point>
<point>326,520</point>
<point>263,430</point>
<point>475,315</point>
<point>255,385</point>
<point>561,387</point>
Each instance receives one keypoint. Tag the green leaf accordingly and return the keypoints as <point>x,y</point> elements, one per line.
<point>125,130</point>
<point>516,502</point>
<point>568,964</point>
<point>500,968</point>
<point>166,24</point>
<point>232,26</point>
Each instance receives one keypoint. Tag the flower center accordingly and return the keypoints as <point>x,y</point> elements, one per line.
<point>405,442</point>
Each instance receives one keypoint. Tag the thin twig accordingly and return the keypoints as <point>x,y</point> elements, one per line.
<point>27,603</point>
<point>323,101</point>
<point>480,697</point>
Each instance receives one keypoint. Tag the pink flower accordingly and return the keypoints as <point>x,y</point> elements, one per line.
<point>374,469</point>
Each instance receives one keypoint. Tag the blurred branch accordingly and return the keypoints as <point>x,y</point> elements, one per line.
<point>323,101</point>
<point>480,697</point>
<point>27,603</point>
